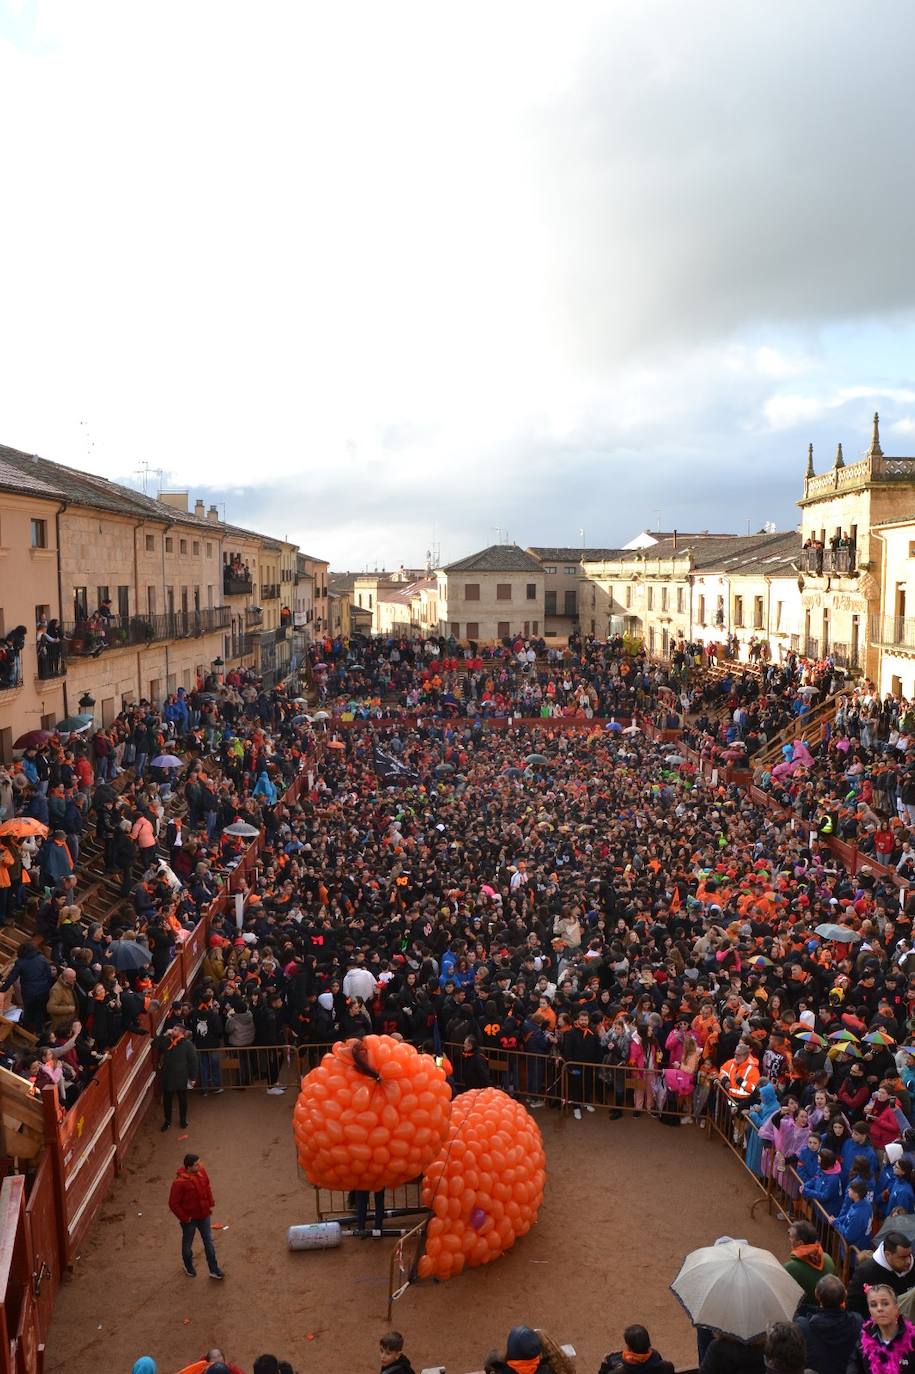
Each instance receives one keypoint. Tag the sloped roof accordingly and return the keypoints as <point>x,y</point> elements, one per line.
<point>497,558</point>
<point>724,553</point>
<point>572,555</point>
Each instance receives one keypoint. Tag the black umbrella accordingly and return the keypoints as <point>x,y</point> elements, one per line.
<point>105,793</point>
<point>128,956</point>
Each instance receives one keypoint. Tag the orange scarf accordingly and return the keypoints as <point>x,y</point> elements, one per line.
<point>524,1366</point>
<point>809,1254</point>
<point>630,1357</point>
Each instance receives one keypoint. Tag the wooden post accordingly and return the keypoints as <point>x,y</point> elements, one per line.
<point>55,1149</point>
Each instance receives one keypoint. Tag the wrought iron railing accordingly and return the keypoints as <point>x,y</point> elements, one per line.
<point>52,661</point>
<point>270,591</point>
<point>89,638</point>
<point>828,562</point>
<point>10,673</point>
<point>892,631</point>
<point>237,584</point>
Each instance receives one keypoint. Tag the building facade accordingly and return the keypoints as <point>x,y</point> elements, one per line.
<point>492,595</point>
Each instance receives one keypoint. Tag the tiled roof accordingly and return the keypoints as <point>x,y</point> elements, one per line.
<point>497,558</point>
<point>724,553</point>
<point>572,555</point>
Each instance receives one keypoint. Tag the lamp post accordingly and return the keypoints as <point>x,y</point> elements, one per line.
<point>86,703</point>
<point>217,665</point>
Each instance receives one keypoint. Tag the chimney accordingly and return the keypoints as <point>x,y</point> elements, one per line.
<point>199,509</point>
<point>176,499</point>
<point>675,539</point>
<point>212,513</point>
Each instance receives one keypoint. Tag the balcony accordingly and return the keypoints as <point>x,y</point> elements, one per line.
<point>844,656</point>
<point>88,640</point>
<point>828,562</point>
<point>236,584</point>
<point>811,648</point>
<point>893,632</point>
<point>275,636</point>
<point>253,615</point>
<point>270,591</point>
<point>10,673</point>
<point>240,646</point>
<point>52,662</point>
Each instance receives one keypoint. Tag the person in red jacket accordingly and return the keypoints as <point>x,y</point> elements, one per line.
<point>191,1200</point>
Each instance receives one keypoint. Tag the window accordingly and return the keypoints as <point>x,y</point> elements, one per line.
<point>42,613</point>
<point>39,533</point>
<point>456,629</point>
<point>196,548</point>
<point>663,598</point>
<point>628,596</point>
<point>169,544</point>
<point>549,571</point>
<point>370,600</point>
<point>738,611</point>
<point>502,629</point>
<point>81,603</point>
<point>532,591</point>
<point>535,627</point>
<point>570,570</point>
<point>701,610</point>
<point>550,606</point>
<point>571,603</point>
<point>757,613</point>
<point>779,606</point>
<point>503,591</point>
<point>150,543</point>
<point>124,602</point>
<point>182,546</point>
<point>102,596</point>
<point>209,549</point>
<point>150,602</point>
<point>680,599</point>
<point>473,629</point>
<point>649,598</point>
<point>471,591</point>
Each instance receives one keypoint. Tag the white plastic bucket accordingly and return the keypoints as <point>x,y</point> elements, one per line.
<point>318,1235</point>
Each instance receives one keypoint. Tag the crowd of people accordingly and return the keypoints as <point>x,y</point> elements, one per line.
<point>583,909</point>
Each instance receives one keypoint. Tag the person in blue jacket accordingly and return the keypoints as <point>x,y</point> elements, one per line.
<point>808,1158</point>
<point>901,1192</point>
<point>855,1219</point>
<point>886,1178</point>
<point>826,1187</point>
<point>858,1143</point>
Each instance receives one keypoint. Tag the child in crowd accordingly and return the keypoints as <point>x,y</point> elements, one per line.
<point>808,1159</point>
<point>854,1220</point>
<point>393,1359</point>
<point>826,1187</point>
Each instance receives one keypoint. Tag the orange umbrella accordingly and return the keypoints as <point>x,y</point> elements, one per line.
<point>22,826</point>
<point>336,744</point>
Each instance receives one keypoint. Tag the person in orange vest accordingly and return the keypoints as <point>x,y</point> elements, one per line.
<point>739,1076</point>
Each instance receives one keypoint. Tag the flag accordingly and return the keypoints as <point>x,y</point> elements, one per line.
<point>391,771</point>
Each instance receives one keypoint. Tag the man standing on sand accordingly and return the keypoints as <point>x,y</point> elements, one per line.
<point>191,1200</point>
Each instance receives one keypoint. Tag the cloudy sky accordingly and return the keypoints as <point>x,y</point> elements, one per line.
<point>377,275</point>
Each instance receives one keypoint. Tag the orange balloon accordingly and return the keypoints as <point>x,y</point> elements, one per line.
<point>357,1131</point>
<point>477,1213</point>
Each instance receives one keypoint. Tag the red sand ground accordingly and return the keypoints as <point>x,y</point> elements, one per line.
<point>625,1201</point>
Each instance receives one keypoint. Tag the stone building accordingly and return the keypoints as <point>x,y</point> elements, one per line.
<point>842,555</point>
<point>891,627</point>
<point>492,595</point>
<point>562,572</point>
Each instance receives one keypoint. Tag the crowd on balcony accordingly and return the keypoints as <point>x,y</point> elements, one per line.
<point>11,646</point>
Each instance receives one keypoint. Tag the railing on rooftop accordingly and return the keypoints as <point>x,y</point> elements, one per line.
<point>85,638</point>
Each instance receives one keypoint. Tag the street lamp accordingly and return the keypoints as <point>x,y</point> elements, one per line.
<point>86,703</point>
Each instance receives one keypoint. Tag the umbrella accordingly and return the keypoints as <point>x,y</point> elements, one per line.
<point>632,730</point>
<point>844,1035</point>
<point>322,715</point>
<point>444,768</point>
<point>811,1038</point>
<point>675,758</point>
<point>907,1049</point>
<point>32,739</point>
<point>73,725</point>
<point>537,758</point>
<point>760,961</point>
<point>846,1047</point>
<point>20,827</point>
<point>513,772</point>
<point>615,726</point>
<point>242,828</point>
<point>844,934</point>
<point>878,1038</point>
<point>166,761</point>
<point>300,701</point>
<point>208,696</point>
<point>336,744</point>
<point>128,956</point>
<point>736,1288</point>
<point>904,1224</point>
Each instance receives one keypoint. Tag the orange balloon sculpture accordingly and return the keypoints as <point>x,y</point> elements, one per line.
<point>372,1115</point>
<point>486,1186</point>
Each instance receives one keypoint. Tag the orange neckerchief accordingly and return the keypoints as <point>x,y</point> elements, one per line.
<point>524,1366</point>
<point>630,1357</point>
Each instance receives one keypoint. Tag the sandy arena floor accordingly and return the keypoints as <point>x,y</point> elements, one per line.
<point>624,1202</point>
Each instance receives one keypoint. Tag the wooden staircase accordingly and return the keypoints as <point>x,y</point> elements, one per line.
<point>806,728</point>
